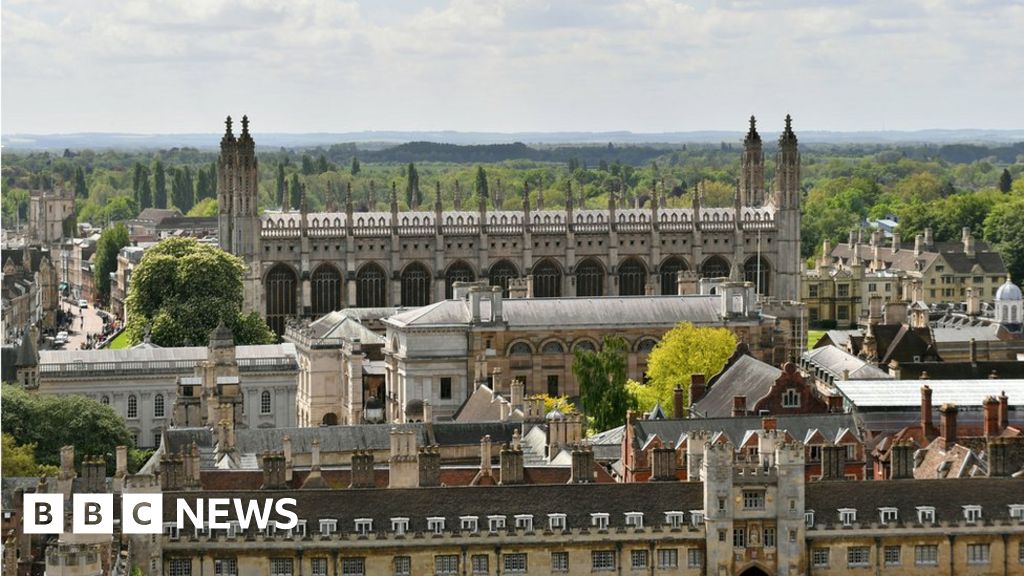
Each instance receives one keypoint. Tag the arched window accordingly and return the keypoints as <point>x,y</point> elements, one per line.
<point>669,273</point>
<point>371,287</point>
<point>759,277</point>
<point>553,347</point>
<point>280,293</point>
<point>326,289</point>
<point>520,348</point>
<point>158,406</point>
<point>547,280</point>
<point>589,278</point>
<point>585,345</point>
<point>646,345</point>
<point>714,267</point>
<point>632,278</point>
<point>457,272</point>
<point>501,273</point>
<point>133,406</point>
<point>265,404</point>
<point>415,285</point>
<point>105,400</point>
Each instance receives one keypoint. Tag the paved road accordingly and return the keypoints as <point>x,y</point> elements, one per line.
<point>79,329</point>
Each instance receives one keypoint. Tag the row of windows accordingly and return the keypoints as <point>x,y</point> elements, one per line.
<point>924,555</point>
<point>925,514</point>
<point>159,405</point>
<point>644,346</point>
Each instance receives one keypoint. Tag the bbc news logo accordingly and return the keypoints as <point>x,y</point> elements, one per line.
<point>144,513</point>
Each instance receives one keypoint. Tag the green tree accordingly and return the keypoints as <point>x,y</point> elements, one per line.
<point>1004,229</point>
<point>282,185</point>
<point>140,186</point>
<point>481,183</point>
<point>181,290</point>
<point>120,208</point>
<point>307,165</point>
<point>601,376</point>
<point>21,460</point>
<point>413,196</point>
<point>205,207</point>
<point>322,165</point>
<point>49,422</point>
<point>295,191</point>
<point>1005,181</point>
<point>682,351</point>
<point>181,189</point>
<point>110,243</point>
<point>355,166</point>
<point>159,185</point>
<point>81,190</point>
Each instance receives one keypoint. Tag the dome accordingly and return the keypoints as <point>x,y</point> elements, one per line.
<point>555,414</point>
<point>1008,292</point>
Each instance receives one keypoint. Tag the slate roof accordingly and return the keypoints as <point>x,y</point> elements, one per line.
<point>867,394</point>
<point>834,361</point>
<point>342,324</point>
<point>945,334</point>
<point>149,358</point>
<point>948,497</point>
<point>798,426</point>
<point>11,484</point>
<point>157,215</point>
<point>952,252</point>
<point>962,370</point>
<point>748,377</point>
<point>572,312</point>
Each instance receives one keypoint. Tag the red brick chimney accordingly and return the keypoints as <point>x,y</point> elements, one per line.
<point>677,402</point>
<point>739,406</point>
<point>698,387</point>
<point>991,405</point>
<point>949,412</point>
<point>1004,410</point>
<point>926,411</point>
<point>769,423</point>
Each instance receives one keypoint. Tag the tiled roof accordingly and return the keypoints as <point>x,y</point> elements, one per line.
<point>748,377</point>
<point>736,428</point>
<point>834,361</point>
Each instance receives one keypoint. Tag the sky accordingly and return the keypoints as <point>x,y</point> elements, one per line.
<point>509,65</point>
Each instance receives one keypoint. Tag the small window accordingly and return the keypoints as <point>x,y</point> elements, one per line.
<point>524,522</point>
<point>638,559</point>
<point>225,567</point>
<point>364,526</point>
<point>599,520</point>
<point>926,555</point>
<point>602,560</point>
<point>753,500</point>
<point>887,515</point>
<point>435,524</point>
<point>171,529</point>
<point>480,564</point>
<point>180,567</point>
<point>635,519</point>
<point>446,388</point>
<point>674,520</point>
<point>398,526</point>
<point>281,567</point>
<point>318,566</point>
<point>892,555</point>
<point>328,526</point>
<point>791,398</point>
<point>468,523</point>
<point>925,515</point>
<point>769,538</point>
<point>978,554</point>
<point>972,513</point>
<point>446,565</point>
<point>495,523</point>
<point>696,518</point>
<point>668,558</point>
<point>158,406</point>
<point>515,563</point>
<point>556,522</point>
<point>819,557</point>
<point>559,562</point>
<point>694,557</point>
<point>353,567</point>
<point>858,556</point>
<point>265,402</point>
<point>133,407</point>
<point>552,384</point>
<point>739,538</point>
<point>1017,511</point>
<point>402,565</point>
<point>809,518</point>
<point>847,516</point>
<point>552,347</point>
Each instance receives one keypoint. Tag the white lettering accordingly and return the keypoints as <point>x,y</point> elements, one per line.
<point>246,515</point>
<point>218,508</point>
<point>283,511</point>
<point>195,515</point>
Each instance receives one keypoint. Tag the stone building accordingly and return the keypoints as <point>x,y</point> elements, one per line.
<point>144,384</point>
<point>305,264</point>
<point>30,292</point>
<point>47,212</point>
<point>127,259</point>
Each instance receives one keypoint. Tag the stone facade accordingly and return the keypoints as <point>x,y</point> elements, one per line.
<point>308,264</point>
<point>47,212</point>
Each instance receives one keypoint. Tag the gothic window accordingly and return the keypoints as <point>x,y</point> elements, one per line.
<point>415,285</point>
<point>547,280</point>
<point>326,290</point>
<point>371,287</point>
<point>791,398</point>
<point>632,278</point>
<point>133,406</point>
<point>501,272</point>
<point>105,400</point>
<point>714,267</point>
<point>589,278</point>
<point>280,293</point>
<point>158,406</point>
<point>758,276</point>
<point>669,272</point>
<point>265,404</point>
<point>457,272</point>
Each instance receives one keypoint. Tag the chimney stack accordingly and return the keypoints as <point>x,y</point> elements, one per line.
<point>1004,410</point>
<point>678,410</point>
<point>698,388</point>
<point>362,470</point>
<point>428,411</point>
<point>739,406</point>
<point>497,313</point>
<point>273,471</point>
<point>926,410</point>
<point>485,455</point>
<point>67,463</point>
<point>663,467</point>
<point>998,452</point>
<point>511,464</point>
<point>517,388</point>
<point>928,239</point>
<point>121,469</point>
<point>430,466</point>
<point>949,412</point>
<point>968,240</point>
<point>901,460</point>
<point>991,407</point>
<point>918,244</point>
<point>582,465</point>
<point>314,479</point>
<point>972,350</point>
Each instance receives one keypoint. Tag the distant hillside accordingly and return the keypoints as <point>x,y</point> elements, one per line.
<point>486,153</point>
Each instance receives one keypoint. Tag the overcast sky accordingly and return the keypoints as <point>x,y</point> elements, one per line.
<point>510,65</point>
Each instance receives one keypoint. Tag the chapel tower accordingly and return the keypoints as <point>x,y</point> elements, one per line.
<point>237,197</point>
<point>752,168</point>
<point>786,198</point>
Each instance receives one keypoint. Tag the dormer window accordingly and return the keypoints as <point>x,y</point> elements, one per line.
<point>696,518</point>
<point>171,528</point>
<point>556,522</point>
<point>524,522</point>
<point>328,526</point>
<point>635,519</point>
<point>674,520</point>
<point>398,526</point>
<point>926,515</point>
<point>495,523</point>
<point>599,520</point>
<point>972,513</point>
<point>435,524</point>
<point>300,529</point>
<point>791,398</point>
<point>1017,511</point>
<point>233,528</point>
<point>468,523</point>
<point>271,528</point>
<point>847,516</point>
<point>365,525</point>
<point>809,518</point>
<point>887,515</point>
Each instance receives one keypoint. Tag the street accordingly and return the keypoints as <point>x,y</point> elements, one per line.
<point>79,329</point>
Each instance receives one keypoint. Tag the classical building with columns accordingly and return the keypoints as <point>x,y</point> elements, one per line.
<point>303,264</point>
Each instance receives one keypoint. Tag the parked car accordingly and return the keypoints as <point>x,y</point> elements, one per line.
<point>83,303</point>
<point>61,338</point>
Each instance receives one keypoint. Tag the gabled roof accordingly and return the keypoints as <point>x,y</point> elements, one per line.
<point>747,376</point>
<point>835,361</point>
<point>735,429</point>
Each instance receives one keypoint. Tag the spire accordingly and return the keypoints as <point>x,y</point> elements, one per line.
<point>437,196</point>
<point>245,125</point>
<point>526,196</point>
<point>229,137</point>
<point>788,137</point>
<point>244,137</point>
<point>752,136</point>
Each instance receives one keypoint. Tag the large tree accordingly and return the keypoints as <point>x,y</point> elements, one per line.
<point>601,376</point>
<point>110,243</point>
<point>81,190</point>
<point>1005,181</point>
<point>481,183</point>
<point>21,460</point>
<point>413,196</point>
<point>140,186</point>
<point>1004,228</point>
<point>159,185</point>
<point>182,289</point>
<point>682,351</point>
<point>282,185</point>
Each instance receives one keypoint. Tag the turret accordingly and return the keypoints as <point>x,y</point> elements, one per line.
<point>751,185</point>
